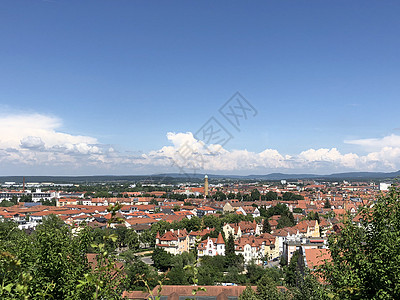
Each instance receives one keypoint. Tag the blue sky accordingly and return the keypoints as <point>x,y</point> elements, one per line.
<point>96,86</point>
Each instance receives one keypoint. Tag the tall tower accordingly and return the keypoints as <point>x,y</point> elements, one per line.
<point>205,186</point>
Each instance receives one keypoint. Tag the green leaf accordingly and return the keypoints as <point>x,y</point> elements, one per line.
<point>8,287</point>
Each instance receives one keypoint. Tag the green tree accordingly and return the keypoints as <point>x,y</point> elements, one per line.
<point>48,263</point>
<point>279,209</point>
<point>6,203</point>
<point>161,227</point>
<point>211,221</point>
<point>135,268</point>
<point>232,218</point>
<point>231,196</point>
<point>106,280</point>
<point>194,271</point>
<point>26,198</point>
<point>102,194</point>
<point>59,258</point>
<point>309,288</point>
<point>270,196</point>
<point>327,204</point>
<point>248,294</point>
<point>51,202</point>
<point>297,210</point>
<point>288,196</point>
<point>121,232</point>
<point>254,272</point>
<point>284,221</point>
<point>230,246</point>
<point>219,196</point>
<point>246,197</point>
<point>365,259</point>
<point>292,271</point>
<point>14,281</point>
<point>234,275</point>
<point>178,274</point>
<point>153,201</point>
<point>162,259</point>
<point>14,200</point>
<point>147,238</point>
<point>211,270</point>
<point>266,289</point>
<point>313,216</point>
<point>266,226</point>
<point>255,195</point>
<point>132,239</point>
<point>88,195</point>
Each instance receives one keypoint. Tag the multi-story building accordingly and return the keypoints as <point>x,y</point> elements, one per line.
<point>211,247</point>
<point>251,248</point>
<point>174,242</point>
<point>242,228</point>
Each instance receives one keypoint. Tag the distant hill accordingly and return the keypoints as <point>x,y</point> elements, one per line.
<point>174,177</point>
<point>335,176</point>
<point>71,179</point>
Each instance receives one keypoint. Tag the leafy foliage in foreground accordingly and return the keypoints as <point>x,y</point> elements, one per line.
<point>46,264</point>
<point>365,260</point>
<point>51,263</point>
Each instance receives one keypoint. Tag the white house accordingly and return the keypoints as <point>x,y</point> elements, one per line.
<point>250,248</point>
<point>211,247</point>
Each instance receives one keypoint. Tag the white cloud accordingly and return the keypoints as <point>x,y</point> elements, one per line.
<point>392,140</point>
<point>15,128</point>
<point>383,153</point>
<point>35,141</point>
<point>333,156</point>
<point>32,142</point>
<point>189,154</point>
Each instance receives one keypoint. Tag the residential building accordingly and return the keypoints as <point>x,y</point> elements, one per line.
<point>174,242</point>
<point>211,247</point>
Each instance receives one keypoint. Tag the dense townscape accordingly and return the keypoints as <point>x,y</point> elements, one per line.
<point>199,150</point>
<point>230,239</point>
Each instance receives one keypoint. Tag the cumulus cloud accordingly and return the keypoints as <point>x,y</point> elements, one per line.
<point>35,140</point>
<point>382,153</point>
<point>32,142</point>
<point>188,154</point>
<point>333,156</point>
<point>16,128</point>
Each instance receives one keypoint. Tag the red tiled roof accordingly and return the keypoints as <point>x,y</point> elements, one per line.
<point>316,257</point>
<point>220,239</point>
<point>174,218</point>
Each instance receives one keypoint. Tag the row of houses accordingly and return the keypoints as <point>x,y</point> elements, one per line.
<point>249,241</point>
